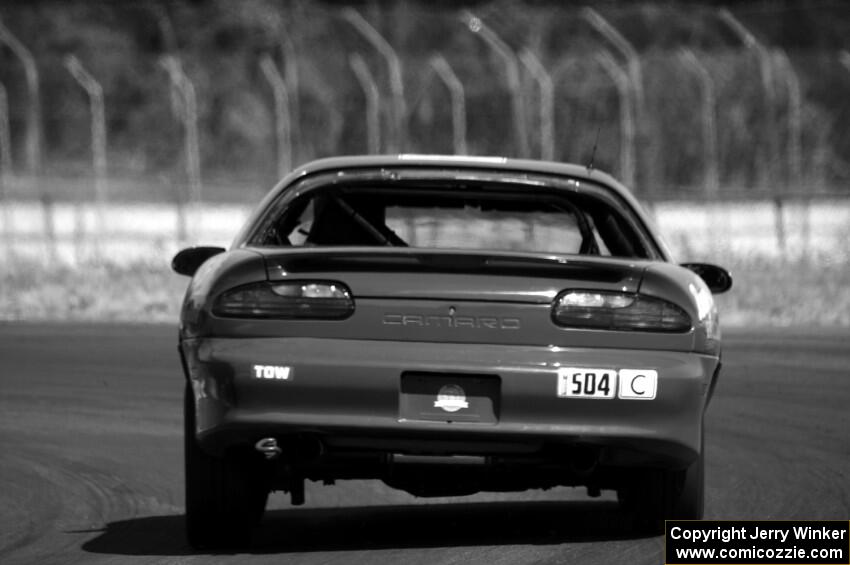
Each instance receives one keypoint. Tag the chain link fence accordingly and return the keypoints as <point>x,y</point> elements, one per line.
<point>142,130</point>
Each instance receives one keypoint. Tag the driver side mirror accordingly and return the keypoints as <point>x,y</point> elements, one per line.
<point>718,279</point>
<point>187,261</point>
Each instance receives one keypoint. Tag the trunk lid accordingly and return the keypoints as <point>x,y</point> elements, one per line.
<point>485,276</point>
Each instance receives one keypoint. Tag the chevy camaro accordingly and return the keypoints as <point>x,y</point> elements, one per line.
<point>446,325</point>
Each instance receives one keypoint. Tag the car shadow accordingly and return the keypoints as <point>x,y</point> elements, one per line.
<point>387,527</point>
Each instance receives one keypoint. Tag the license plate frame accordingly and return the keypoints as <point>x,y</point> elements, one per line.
<point>447,397</point>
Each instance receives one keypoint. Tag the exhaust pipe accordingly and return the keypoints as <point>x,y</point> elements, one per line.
<point>307,448</point>
<point>268,447</point>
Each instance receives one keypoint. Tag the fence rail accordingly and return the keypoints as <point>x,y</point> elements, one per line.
<point>149,232</point>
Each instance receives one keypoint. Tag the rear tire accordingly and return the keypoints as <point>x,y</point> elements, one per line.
<point>225,496</point>
<point>659,495</point>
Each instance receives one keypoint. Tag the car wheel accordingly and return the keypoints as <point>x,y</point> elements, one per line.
<point>660,495</point>
<point>225,496</point>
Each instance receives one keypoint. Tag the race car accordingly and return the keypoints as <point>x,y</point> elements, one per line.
<point>446,325</point>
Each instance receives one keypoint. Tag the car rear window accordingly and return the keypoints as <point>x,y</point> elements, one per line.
<point>468,216</point>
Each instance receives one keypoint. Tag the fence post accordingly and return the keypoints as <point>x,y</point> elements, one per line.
<point>779,220</point>
<point>5,141</point>
<point>33,130</point>
<point>795,135</point>
<point>186,110</point>
<point>381,45</point>
<point>561,69</point>
<point>711,173</point>
<point>627,122</point>
<point>709,122</point>
<point>795,114</point>
<point>506,54</point>
<point>335,118</point>
<point>5,166</point>
<point>98,136</point>
<point>624,47</point>
<point>634,74</point>
<point>291,80</point>
<point>766,72</point>
<point>458,96</point>
<point>373,102</point>
<point>283,122</point>
<point>49,224</point>
<point>547,102</point>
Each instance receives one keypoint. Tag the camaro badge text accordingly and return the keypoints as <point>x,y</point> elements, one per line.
<point>475,322</point>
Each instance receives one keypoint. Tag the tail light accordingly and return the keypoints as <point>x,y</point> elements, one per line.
<point>316,300</point>
<point>618,311</point>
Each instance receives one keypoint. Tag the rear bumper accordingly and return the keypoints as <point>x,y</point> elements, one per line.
<point>347,393</point>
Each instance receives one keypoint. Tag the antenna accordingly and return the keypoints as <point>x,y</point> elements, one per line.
<point>593,154</point>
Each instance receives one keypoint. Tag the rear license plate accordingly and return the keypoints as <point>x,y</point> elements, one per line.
<point>449,397</point>
<point>574,382</point>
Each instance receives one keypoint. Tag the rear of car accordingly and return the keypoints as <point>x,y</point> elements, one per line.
<point>446,327</point>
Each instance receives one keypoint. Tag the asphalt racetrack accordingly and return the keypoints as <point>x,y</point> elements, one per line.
<point>91,464</point>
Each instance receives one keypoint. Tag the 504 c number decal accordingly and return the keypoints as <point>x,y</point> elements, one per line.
<point>585,382</point>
